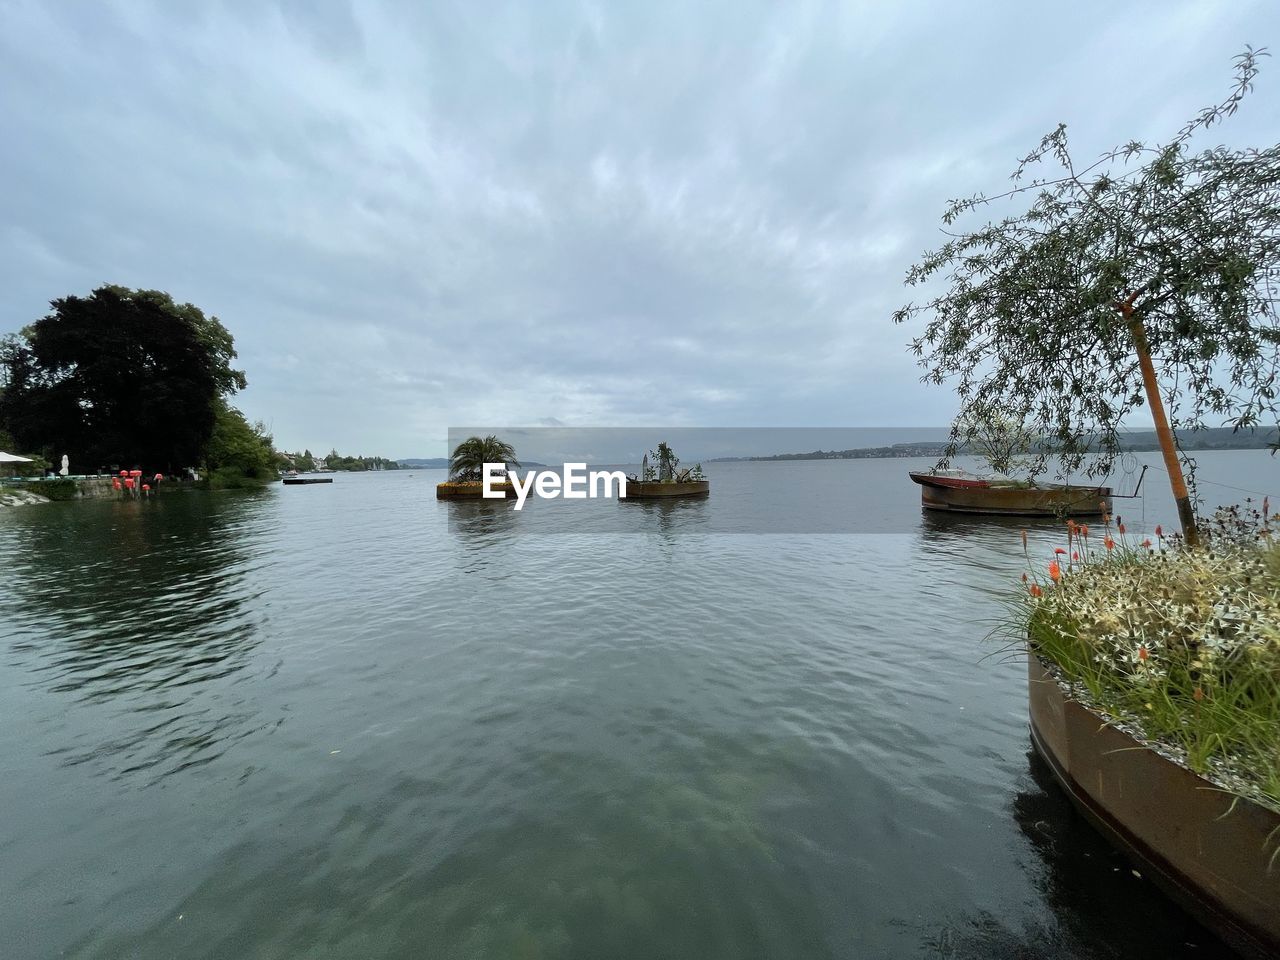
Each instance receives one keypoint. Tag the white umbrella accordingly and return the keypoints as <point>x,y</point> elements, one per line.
<point>13,458</point>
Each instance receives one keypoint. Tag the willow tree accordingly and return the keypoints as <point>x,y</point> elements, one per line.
<point>1147,277</point>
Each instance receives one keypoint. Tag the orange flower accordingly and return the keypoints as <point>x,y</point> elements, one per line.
<point>1120,527</point>
<point>1159,532</point>
<point>1198,694</point>
<point>1084,530</point>
<point>1147,543</point>
<point>1109,544</point>
<point>1075,555</point>
<point>1142,653</point>
<point>1035,590</point>
<point>1055,571</point>
<point>1024,540</point>
<point>1059,551</point>
<point>1024,578</point>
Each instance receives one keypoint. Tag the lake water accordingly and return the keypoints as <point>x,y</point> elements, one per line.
<point>350,721</point>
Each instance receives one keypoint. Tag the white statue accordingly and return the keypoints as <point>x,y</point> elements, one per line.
<point>66,465</point>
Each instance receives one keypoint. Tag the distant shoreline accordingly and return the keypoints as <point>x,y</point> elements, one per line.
<point>1214,438</point>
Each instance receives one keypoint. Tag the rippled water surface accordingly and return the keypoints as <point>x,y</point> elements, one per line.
<point>351,721</point>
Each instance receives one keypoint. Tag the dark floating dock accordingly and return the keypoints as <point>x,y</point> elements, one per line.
<point>300,481</point>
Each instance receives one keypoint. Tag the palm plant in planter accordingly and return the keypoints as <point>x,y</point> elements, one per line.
<point>466,468</point>
<point>466,464</point>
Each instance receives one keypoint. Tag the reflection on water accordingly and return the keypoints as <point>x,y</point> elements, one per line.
<point>1087,887</point>
<point>481,520</point>
<point>962,529</point>
<point>667,515</point>
<point>134,605</point>
<point>350,720</point>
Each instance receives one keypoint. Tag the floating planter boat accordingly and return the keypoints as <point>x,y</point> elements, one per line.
<point>1215,853</point>
<point>301,481</point>
<point>471,489</point>
<point>961,492</point>
<point>663,489</point>
<point>665,481</point>
<point>467,469</point>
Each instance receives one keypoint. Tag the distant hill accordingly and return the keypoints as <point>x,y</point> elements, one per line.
<point>923,448</point>
<point>1212,438</point>
<point>1137,441</point>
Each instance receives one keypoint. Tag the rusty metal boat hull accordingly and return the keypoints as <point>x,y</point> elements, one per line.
<point>1009,499</point>
<point>1217,855</point>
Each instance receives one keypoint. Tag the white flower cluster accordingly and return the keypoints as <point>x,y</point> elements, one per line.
<point>1141,609</point>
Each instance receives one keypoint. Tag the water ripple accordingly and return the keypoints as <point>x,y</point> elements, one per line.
<point>351,720</point>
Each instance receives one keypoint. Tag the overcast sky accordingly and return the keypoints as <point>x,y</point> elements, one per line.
<point>417,215</point>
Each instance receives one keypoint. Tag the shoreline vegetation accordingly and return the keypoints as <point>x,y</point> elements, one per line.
<point>64,380</point>
<point>306,462</point>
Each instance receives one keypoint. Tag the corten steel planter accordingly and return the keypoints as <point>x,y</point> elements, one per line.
<point>956,495</point>
<point>470,490</point>
<point>1216,854</point>
<point>658,490</point>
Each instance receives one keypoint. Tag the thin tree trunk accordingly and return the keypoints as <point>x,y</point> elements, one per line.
<point>1168,447</point>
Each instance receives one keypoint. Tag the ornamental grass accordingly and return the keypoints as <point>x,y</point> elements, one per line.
<point>1179,646</point>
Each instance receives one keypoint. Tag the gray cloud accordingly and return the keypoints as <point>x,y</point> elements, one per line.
<point>570,213</point>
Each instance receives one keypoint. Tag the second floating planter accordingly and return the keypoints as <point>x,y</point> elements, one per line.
<point>665,481</point>
<point>666,489</point>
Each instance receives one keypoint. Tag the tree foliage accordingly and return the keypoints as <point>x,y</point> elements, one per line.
<point>1005,444</point>
<point>357,463</point>
<point>239,451</point>
<point>664,466</point>
<point>1036,314</point>
<point>119,376</point>
<point>469,457</point>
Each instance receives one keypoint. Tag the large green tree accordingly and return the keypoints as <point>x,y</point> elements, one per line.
<point>1149,276</point>
<point>118,377</point>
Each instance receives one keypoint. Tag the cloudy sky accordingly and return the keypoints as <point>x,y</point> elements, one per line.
<point>417,215</point>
